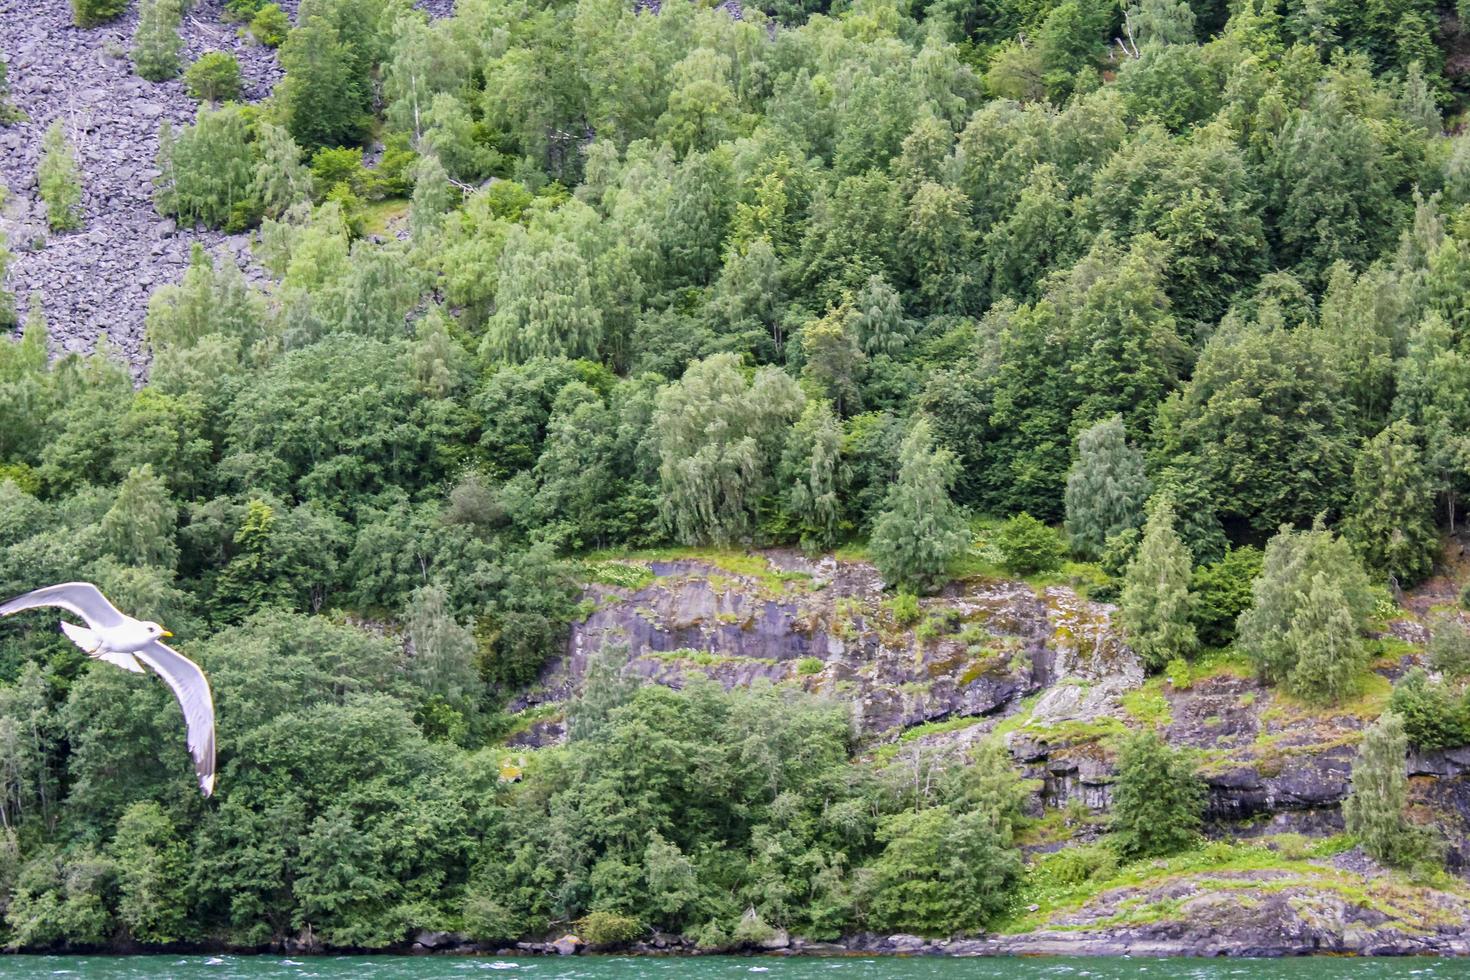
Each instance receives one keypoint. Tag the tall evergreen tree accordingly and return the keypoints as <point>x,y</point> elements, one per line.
<point>1391,517</point>
<point>1106,488</point>
<point>1374,808</point>
<point>1158,800</point>
<point>1155,607</point>
<point>156,42</point>
<point>920,530</point>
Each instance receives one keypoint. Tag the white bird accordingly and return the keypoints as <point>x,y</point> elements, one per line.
<point>123,641</point>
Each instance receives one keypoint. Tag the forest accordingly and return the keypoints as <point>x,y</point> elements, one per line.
<point>1166,295</point>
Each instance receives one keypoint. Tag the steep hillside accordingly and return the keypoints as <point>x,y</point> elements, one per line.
<point>98,278</point>
<point>1042,669</point>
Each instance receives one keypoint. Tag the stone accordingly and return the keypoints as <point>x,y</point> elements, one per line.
<point>567,945</point>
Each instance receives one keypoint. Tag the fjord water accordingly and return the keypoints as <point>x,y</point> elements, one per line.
<point>715,968</point>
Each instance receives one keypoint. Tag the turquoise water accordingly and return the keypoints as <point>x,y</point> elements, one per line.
<point>711,968</point>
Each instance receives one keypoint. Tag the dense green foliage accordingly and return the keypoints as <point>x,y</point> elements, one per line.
<point>1158,801</point>
<point>59,180</point>
<point>1310,608</point>
<point>214,77</point>
<point>1374,808</point>
<point>927,279</point>
<point>156,42</point>
<point>1155,608</point>
<point>91,12</point>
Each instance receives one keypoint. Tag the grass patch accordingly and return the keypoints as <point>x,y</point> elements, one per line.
<point>619,574</point>
<point>1052,884</point>
<point>1147,704</point>
<point>378,215</point>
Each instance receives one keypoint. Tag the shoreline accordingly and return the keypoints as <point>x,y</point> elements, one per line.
<point>1109,944</point>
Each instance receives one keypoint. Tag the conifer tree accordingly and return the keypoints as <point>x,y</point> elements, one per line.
<point>1156,603</point>
<point>1391,518</point>
<point>1158,800</point>
<point>1329,651</point>
<point>156,42</point>
<point>59,180</point>
<point>1285,622</point>
<point>1106,488</point>
<point>1374,808</point>
<point>920,530</point>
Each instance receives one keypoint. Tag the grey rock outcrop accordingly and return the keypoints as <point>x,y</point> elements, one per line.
<point>99,277</point>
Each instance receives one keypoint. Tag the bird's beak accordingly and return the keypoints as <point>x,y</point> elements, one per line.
<point>167,633</point>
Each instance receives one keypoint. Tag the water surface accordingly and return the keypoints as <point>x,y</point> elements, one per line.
<point>713,968</point>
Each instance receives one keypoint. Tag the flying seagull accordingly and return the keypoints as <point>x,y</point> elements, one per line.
<point>123,641</point>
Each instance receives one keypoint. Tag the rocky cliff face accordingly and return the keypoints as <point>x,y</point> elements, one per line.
<point>1046,668</point>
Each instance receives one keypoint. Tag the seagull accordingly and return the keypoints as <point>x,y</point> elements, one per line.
<point>123,641</point>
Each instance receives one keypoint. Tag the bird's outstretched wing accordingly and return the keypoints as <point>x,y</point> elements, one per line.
<point>82,598</point>
<point>191,687</point>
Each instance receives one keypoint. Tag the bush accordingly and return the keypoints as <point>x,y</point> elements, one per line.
<point>270,26</point>
<point>1449,646</point>
<point>1028,546</point>
<point>808,666</point>
<point>1434,715</point>
<point>1074,865</point>
<point>89,13</point>
<point>904,608</point>
<point>243,9</point>
<point>215,77</point>
<point>337,165</point>
<point>608,929</point>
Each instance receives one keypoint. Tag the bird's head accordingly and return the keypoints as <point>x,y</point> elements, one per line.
<point>155,631</point>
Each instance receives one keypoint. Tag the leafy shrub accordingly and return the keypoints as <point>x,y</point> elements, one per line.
<point>270,25</point>
<point>807,666</point>
<point>89,13</point>
<point>1028,546</point>
<point>243,9</point>
<point>608,929</point>
<point>335,165</point>
<point>1292,847</point>
<point>1075,865</point>
<point>214,77</point>
<point>1449,646</point>
<point>1434,715</point>
<point>904,608</point>
<point>1178,674</point>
